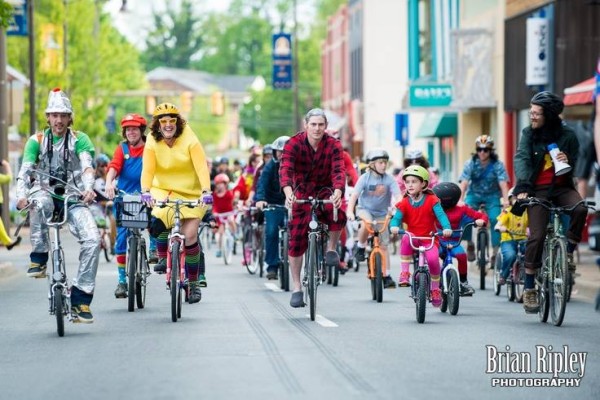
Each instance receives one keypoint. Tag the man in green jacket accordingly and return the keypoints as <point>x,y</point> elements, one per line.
<point>537,176</point>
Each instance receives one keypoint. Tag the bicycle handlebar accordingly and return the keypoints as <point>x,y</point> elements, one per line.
<point>66,199</point>
<point>548,205</point>
<point>370,224</point>
<point>313,203</point>
<point>412,237</point>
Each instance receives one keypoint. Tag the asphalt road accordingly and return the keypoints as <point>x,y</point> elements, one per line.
<point>243,340</point>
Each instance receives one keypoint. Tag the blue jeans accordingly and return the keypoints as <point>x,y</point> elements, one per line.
<point>509,255</point>
<point>273,220</point>
<point>493,208</point>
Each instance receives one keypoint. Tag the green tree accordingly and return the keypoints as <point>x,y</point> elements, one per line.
<point>100,63</point>
<point>175,40</point>
<point>6,11</point>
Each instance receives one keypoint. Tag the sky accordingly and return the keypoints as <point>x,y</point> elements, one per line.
<point>134,24</point>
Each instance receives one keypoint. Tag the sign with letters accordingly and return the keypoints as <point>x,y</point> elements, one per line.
<point>282,61</point>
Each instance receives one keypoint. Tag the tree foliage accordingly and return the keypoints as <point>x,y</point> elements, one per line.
<point>176,38</point>
<point>6,11</point>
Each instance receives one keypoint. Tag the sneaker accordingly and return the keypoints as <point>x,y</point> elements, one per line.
<point>272,275</point>
<point>343,268</point>
<point>471,252</point>
<point>297,300</point>
<point>466,289</point>
<point>501,281</point>
<point>37,270</point>
<point>436,297</point>
<point>360,253</point>
<point>161,266</point>
<point>218,254</point>
<point>530,301</point>
<point>121,291</point>
<point>404,280</point>
<point>388,283</point>
<point>13,244</point>
<point>82,313</point>
<point>195,292</point>
<point>570,262</point>
<point>202,280</point>
<point>153,257</point>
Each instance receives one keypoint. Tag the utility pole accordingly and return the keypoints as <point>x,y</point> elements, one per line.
<point>297,124</point>
<point>4,120</point>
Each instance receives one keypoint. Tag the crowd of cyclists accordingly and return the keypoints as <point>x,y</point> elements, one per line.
<point>163,158</point>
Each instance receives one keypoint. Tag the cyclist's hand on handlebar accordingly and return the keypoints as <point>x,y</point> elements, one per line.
<point>522,196</point>
<point>447,233</point>
<point>88,196</point>
<point>479,222</point>
<point>350,215</point>
<point>146,198</point>
<point>207,198</point>
<point>395,229</point>
<point>502,228</point>
<point>261,204</point>
<point>289,200</point>
<point>22,203</point>
<point>336,197</point>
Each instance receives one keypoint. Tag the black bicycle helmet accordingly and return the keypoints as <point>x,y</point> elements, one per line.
<point>448,192</point>
<point>551,103</point>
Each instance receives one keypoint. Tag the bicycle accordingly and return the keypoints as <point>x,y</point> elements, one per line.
<point>177,283</point>
<point>106,243</point>
<point>553,279</point>
<point>283,239</point>
<point>253,242</point>
<point>58,289</point>
<point>421,279</point>
<point>449,275</point>
<point>134,215</point>
<point>376,259</point>
<point>227,240</point>
<point>515,282</point>
<point>483,250</point>
<point>314,262</point>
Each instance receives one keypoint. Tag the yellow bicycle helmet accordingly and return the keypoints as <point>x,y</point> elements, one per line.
<point>416,170</point>
<point>164,109</point>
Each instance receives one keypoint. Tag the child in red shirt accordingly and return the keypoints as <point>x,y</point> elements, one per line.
<point>223,207</point>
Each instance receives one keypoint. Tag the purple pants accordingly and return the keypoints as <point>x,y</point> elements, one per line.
<point>432,256</point>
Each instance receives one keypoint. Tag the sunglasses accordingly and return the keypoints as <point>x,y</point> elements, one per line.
<point>164,121</point>
<point>483,149</point>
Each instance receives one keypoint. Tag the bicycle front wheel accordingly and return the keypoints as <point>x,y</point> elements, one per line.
<point>141,277</point>
<point>132,262</point>
<point>59,310</point>
<point>312,277</point>
<point>482,253</point>
<point>107,246</point>
<point>285,270</point>
<point>422,294</point>
<point>378,278</point>
<point>559,284</point>
<point>174,280</point>
<point>453,292</point>
<point>497,272</point>
<point>227,248</point>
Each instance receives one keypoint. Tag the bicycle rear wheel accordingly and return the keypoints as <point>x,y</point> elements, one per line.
<point>422,294</point>
<point>106,246</point>
<point>174,280</point>
<point>378,278</point>
<point>559,285</point>
<point>227,249</point>
<point>132,261</point>
<point>497,272</point>
<point>312,277</point>
<point>59,310</point>
<point>519,281</point>
<point>482,253</point>
<point>141,277</point>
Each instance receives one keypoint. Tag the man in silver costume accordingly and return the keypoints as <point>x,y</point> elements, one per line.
<point>65,154</point>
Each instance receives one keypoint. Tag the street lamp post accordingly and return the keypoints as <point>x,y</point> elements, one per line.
<point>295,68</point>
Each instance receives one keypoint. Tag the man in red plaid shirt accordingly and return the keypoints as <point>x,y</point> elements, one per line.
<point>312,164</point>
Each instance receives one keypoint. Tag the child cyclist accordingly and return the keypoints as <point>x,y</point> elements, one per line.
<point>374,191</point>
<point>517,226</point>
<point>449,193</point>
<point>419,210</point>
<point>223,203</point>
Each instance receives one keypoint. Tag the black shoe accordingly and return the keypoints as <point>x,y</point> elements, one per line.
<point>388,283</point>
<point>272,275</point>
<point>121,291</point>
<point>13,244</point>
<point>82,313</point>
<point>466,289</point>
<point>332,258</point>
<point>297,300</point>
<point>360,254</point>
<point>195,293</point>
<point>37,270</point>
<point>161,266</point>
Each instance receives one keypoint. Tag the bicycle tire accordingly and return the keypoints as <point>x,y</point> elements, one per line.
<point>59,310</point>
<point>378,277</point>
<point>261,252</point>
<point>336,276</point>
<point>453,293</point>
<point>559,285</point>
<point>227,247</point>
<point>570,285</point>
<point>285,269</point>
<point>497,272</point>
<point>519,282</point>
<point>312,277</point>
<point>371,271</point>
<point>141,277</point>
<point>543,298</point>
<point>422,294</point>
<point>444,277</point>
<point>174,278</point>
<point>511,286</point>
<point>482,243</point>
<point>132,261</point>
<point>106,247</point>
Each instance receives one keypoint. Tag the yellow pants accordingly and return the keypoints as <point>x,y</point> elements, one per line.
<point>4,238</point>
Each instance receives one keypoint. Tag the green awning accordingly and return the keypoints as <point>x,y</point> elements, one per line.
<point>439,125</point>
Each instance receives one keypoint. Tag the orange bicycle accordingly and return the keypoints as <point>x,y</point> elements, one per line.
<point>376,259</point>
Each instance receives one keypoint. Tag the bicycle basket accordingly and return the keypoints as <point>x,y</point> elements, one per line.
<point>132,213</point>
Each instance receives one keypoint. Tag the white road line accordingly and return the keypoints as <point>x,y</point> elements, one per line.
<point>324,322</point>
<point>273,287</point>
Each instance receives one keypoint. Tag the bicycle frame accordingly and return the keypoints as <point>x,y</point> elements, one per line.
<point>374,241</point>
<point>448,263</point>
